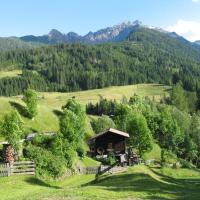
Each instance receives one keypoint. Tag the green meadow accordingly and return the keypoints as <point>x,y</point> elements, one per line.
<point>140,182</point>
<point>11,73</point>
<point>50,104</point>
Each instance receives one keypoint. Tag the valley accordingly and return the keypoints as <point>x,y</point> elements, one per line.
<point>94,111</point>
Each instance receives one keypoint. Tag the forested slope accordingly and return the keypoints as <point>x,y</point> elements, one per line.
<point>147,56</point>
<point>14,43</point>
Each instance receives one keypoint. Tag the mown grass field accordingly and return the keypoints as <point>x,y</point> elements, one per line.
<point>50,103</point>
<point>12,73</point>
<point>140,182</point>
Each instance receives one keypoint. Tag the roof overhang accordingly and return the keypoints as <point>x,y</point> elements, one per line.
<point>110,130</point>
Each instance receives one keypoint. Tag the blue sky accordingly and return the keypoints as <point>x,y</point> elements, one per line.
<point>38,17</point>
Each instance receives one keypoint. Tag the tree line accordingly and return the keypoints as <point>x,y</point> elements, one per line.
<point>172,124</point>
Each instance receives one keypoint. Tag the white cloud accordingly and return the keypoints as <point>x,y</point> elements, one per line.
<point>188,29</point>
<point>195,1</point>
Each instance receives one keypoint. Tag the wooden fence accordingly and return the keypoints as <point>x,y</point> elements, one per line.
<point>17,168</point>
<point>103,169</point>
<point>112,169</point>
<point>91,170</point>
<point>4,170</point>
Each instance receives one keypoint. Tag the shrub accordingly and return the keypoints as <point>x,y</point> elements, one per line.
<point>186,164</point>
<point>30,98</point>
<point>43,141</point>
<point>1,155</point>
<point>47,164</point>
<point>102,123</point>
<point>12,129</point>
<point>110,160</point>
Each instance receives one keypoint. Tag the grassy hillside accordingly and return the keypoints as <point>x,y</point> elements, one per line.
<point>50,103</point>
<point>138,183</point>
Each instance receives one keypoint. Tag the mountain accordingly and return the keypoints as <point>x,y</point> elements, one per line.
<point>54,37</point>
<point>197,42</point>
<point>111,34</point>
<point>170,43</point>
<point>117,33</point>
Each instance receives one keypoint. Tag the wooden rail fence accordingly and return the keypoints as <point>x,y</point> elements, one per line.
<point>91,170</point>
<point>17,168</point>
<point>4,170</point>
<point>103,169</point>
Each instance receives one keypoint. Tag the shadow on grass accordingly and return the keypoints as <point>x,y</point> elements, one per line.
<point>168,90</point>
<point>165,178</point>
<point>163,188</point>
<point>58,113</point>
<point>20,108</point>
<point>185,182</point>
<point>36,181</point>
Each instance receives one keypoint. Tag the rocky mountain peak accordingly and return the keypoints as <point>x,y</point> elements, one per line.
<point>110,34</point>
<point>55,33</point>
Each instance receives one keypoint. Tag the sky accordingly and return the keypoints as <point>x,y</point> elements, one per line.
<point>38,17</point>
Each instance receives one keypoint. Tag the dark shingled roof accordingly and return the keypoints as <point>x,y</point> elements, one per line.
<point>111,130</point>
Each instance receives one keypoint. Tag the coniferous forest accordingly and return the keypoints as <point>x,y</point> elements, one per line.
<point>146,56</point>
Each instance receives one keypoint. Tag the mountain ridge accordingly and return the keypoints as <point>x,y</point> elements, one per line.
<point>116,33</point>
<point>147,55</point>
<point>110,34</point>
<point>197,42</point>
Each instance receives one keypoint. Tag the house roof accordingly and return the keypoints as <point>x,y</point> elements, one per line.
<point>111,130</point>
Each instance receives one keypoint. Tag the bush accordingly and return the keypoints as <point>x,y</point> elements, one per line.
<point>102,123</point>
<point>186,164</point>
<point>12,129</point>
<point>1,155</point>
<point>30,98</point>
<point>43,141</point>
<point>110,160</point>
<point>47,164</point>
<point>81,151</point>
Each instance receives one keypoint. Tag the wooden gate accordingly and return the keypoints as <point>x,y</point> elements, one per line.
<point>4,170</point>
<point>91,170</point>
<point>17,168</point>
<point>23,167</point>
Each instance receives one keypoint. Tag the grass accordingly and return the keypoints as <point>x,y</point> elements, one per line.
<point>140,182</point>
<point>50,103</point>
<point>89,162</point>
<point>155,153</point>
<point>12,73</point>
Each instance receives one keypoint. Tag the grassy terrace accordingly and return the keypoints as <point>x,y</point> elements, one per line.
<point>12,73</point>
<point>50,103</point>
<point>139,182</point>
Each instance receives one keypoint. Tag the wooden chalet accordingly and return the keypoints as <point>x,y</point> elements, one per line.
<point>110,141</point>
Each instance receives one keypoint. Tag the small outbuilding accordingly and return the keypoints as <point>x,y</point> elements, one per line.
<point>110,141</point>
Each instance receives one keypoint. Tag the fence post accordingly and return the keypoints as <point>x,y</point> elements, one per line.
<point>8,168</point>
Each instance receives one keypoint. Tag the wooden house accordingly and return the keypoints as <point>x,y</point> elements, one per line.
<point>110,141</point>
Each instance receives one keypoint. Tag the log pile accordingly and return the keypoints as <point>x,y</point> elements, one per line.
<point>9,155</point>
